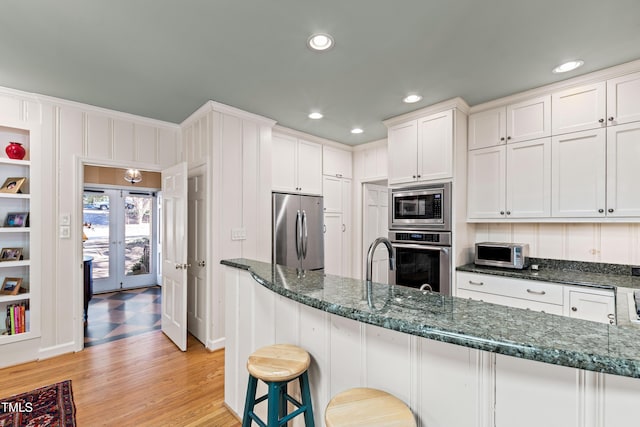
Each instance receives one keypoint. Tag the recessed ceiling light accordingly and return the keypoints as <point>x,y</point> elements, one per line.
<point>568,66</point>
<point>410,99</point>
<point>356,130</point>
<point>315,115</point>
<point>320,41</point>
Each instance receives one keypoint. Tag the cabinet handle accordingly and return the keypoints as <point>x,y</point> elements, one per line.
<point>502,139</point>
<point>339,175</point>
<point>414,176</point>
<point>419,176</point>
<point>324,228</point>
<point>508,138</point>
<point>610,210</point>
<point>611,316</point>
<point>611,118</point>
<point>344,228</point>
<point>501,212</point>
<point>536,292</point>
<point>601,120</point>
<point>574,308</point>
<point>471,282</point>
<point>600,210</point>
<point>508,212</point>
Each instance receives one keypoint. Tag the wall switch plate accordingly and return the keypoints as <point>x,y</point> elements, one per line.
<point>65,219</point>
<point>238,234</point>
<point>65,232</point>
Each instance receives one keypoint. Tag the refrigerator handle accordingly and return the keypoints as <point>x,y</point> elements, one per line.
<point>298,235</point>
<point>305,235</point>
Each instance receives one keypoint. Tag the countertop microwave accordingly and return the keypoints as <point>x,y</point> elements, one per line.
<point>505,255</point>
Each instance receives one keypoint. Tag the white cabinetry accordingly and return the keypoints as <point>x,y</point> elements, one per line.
<point>580,302</point>
<point>19,229</point>
<point>296,165</point>
<point>522,121</point>
<point>512,181</point>
<point>614,102</point>
<point>598,305</point>
<point>623,170</point>
<point>337,226</point>
<point>529,294</point>
<point>336,162</point>
<point>422,149</point>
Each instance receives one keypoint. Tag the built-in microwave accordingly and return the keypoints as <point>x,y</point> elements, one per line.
<point>426,207</point>
<point>505,255</point>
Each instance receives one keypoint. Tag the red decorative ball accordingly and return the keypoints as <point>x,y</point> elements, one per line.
<point>15,151</point>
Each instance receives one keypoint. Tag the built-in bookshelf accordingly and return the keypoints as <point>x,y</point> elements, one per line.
<point>19,287</point>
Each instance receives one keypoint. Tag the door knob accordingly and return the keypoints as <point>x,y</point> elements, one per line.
<point>574,308</point>
<point>611,118</point>
<point>601,121</point>
<point>610,210</point>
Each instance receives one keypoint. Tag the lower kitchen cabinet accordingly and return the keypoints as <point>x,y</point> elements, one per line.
<point>598,305</point>
<point>586,303</point>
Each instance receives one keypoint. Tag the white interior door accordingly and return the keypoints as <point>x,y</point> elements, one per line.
<point>196,256</point>
<point>174,254</point>
<point>376,224</point>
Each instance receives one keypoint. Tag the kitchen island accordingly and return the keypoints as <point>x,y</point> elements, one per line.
<point>455,362</point>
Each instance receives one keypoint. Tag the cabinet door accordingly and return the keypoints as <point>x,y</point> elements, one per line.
<point>578,174</point>
<point>332,192</point>
<point>403,146</point>
<point>578,109</point>
<point>623,99</point>
<point>530,119</point>
<point>346,228</point>
<point>435,146</point>
<point>623,171</point>
<point>529,179</point>
<point>284,163</point>
<point>310,167</point>
<point>333,255</point>
<point>597,307</point>
<point>487,128</point>
<point>486,186</point>
<point>336,162</point>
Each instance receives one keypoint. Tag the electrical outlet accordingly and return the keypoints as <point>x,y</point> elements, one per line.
<point>65,232</point>
<point>238,234</point>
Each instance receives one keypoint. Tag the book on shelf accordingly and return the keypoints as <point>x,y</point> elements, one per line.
<point>17,319</point>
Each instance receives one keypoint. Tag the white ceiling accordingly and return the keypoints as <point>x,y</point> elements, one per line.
<point>165,58</point>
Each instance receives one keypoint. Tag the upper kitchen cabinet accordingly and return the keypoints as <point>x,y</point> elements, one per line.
<point>623,173</point>
<point>522,121</point>
<point>593,106</point>
<point>623,99</point>
<point>336,162</point>
<point>296,165</point>
<point>421,149</point>
<point>512,181</point>
<point>578,109</point>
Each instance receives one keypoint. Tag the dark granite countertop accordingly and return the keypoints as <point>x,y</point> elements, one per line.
<point>505,330</point>
<point>596,275</point>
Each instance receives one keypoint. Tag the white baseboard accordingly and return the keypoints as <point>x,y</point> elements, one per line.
<point>213,345</point>
<point>57,350</point>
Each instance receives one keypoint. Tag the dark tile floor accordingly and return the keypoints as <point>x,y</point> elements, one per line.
<point>122,314</point>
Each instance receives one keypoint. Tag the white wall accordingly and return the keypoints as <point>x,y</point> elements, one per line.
<point>73,132</point>
<point>235,146</point>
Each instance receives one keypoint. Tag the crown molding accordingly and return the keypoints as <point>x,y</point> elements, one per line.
<point>457,103</point>
<point>372,144</point>
<point>210,106</point>
<point>312,138</point>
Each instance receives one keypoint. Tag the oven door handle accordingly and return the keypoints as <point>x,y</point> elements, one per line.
<point>444,249</point>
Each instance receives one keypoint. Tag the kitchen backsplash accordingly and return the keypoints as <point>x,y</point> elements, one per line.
<point>607,243</point>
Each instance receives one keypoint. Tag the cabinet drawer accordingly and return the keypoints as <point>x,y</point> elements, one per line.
<point>511,302</point>
<point>532,290</point>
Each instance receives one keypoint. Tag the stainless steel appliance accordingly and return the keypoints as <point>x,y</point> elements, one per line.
<point>505,255</point>
<point>427,207</point>
<point>423,260</point>
<point>298,239</point>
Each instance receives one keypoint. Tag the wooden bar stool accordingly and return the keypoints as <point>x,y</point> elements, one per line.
<point>367,407</point>
<point>277,365</point>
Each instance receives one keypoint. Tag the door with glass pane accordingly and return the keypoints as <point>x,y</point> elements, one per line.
<point>119,234</point>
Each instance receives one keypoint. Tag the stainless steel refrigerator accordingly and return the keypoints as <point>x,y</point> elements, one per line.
<point>298,238</point>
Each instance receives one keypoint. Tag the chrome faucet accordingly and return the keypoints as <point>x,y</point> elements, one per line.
<point>372,249</point>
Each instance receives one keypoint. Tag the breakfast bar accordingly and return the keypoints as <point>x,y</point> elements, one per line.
<point>454,361</point>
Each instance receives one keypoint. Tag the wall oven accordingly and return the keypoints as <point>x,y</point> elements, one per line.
<point>426,207</point>
<point>423,260</point>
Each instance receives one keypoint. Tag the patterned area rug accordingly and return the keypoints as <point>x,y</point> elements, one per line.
<point>50,406</point>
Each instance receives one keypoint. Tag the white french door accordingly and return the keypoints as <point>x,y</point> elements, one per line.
<point>120,235</point>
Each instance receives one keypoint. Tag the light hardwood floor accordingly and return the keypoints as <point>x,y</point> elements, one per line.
<point>142,380</point>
